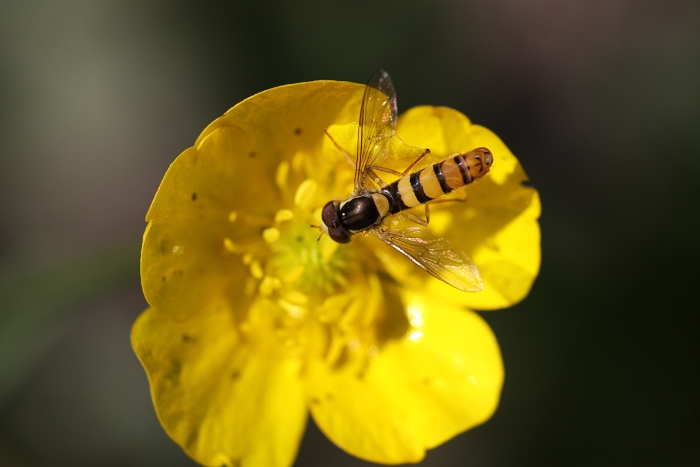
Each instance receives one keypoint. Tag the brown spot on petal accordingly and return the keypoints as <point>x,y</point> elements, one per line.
<point>188,338</point>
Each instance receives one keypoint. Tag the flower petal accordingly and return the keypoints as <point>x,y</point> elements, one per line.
<point>443,377</point>
<point>497,227</point>
<point>225,187</point>
<point>224,399</point>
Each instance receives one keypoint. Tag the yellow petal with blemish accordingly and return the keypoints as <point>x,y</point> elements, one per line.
<point>413,393</point>
<point>225,401</point>
<point>385,355</point>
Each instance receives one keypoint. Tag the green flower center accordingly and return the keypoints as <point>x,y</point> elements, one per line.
<point>306,262</point>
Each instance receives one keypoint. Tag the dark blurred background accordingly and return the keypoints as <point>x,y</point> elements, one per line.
<point>599,99</point>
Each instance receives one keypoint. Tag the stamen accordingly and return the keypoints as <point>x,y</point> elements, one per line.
<point>247,246</point>
<point>250,284</point>
<point>333,307</point>
<point>271,235</point>
<point>296,297</point>
<point>282,174</point>
<point>232,216</point>
<point>256,269</point>
<point>328,248</point>
<point>268,285</point>
<point>230,246</point>
<point>305,193</point>
<point>294,275</point>
<point>283,215</point>
<point>298,159</point>
<point>294,311</point>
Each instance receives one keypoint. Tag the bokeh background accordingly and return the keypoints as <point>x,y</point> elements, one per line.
<point>599,99</point>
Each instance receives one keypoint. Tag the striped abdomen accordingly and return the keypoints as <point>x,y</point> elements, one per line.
<point>438,179</point>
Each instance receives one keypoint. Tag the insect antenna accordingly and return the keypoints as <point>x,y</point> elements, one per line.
<point>319,228</point>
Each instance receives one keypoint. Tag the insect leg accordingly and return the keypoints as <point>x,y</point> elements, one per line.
<point>319,228</point>
<point>385,169</point>
<point>347,157</point>
<point>424,222</point>
<point>377,181</point>
<point>396,172</point>
<point>450,200</point>
<point>408,169</point>
<point>417,219</point>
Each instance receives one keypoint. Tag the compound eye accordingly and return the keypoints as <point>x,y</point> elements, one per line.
<point>338,234</point>
<point>329,215</point>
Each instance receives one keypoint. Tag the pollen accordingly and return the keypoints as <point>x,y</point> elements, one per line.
<point>232,216</point>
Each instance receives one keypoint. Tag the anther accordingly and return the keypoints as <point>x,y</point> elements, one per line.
<point>256,270</point>
<point>230,246</point>
<point>271,235</point>
<point>305,193</point>
<point>268,285</point>
<point>283,215</point>
<point>282,174</point>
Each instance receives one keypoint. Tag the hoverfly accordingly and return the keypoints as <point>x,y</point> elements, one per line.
<point>372,201</point>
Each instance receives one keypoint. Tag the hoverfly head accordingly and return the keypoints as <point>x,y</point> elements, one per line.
<point>330,223</point>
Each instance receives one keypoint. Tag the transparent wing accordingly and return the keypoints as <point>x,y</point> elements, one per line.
<point>376,126</point>
<point>436,255</point>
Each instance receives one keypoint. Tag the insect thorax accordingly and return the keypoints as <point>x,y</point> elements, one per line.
<point>359,213</point>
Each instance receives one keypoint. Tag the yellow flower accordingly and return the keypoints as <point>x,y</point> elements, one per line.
<point>254,323</point>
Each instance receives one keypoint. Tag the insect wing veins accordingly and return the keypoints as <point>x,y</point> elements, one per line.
<point>435,255</point>
<point>377,125</point>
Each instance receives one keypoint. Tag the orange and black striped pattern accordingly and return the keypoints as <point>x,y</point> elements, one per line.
<point>438,179</point>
